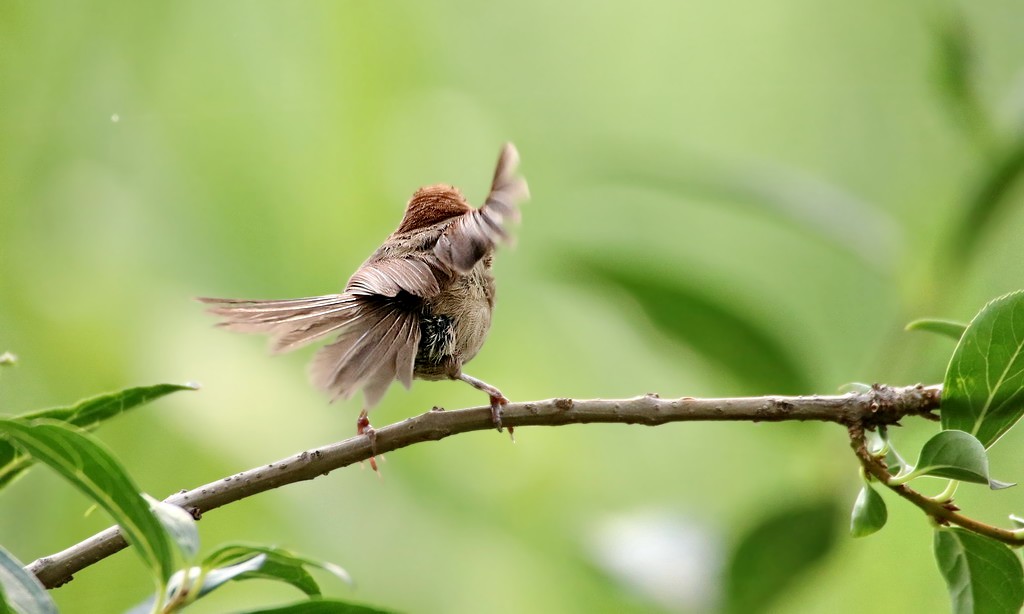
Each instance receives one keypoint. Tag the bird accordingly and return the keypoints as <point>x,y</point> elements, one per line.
<point>419,307</point>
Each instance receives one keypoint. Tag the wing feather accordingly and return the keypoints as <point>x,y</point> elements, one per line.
<point>389,276</point>
<point>377,347</point>
<point>475,234</point>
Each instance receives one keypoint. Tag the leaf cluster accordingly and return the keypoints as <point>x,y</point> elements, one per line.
<point>982,399</point>
<point>164,536</point>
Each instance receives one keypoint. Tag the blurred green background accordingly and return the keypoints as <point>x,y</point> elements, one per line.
<point>728,198</point>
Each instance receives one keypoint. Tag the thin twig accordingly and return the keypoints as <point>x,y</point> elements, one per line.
<point>942,512</point>
<point>877,406</point>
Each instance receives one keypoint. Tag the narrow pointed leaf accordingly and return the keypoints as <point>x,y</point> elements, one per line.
<point>983,392</point>
<point>20,591</point>
<point>245,562</point>
<point>213,579</point>
<point>217,577</point>
<point>90,467</point>
<point>869,512</point>
<point>1000,485</point>
<point>285,571</point>
<point>982,575</point>
<point>86,414</point>
<point>946,328</point>
<point>280,564</point>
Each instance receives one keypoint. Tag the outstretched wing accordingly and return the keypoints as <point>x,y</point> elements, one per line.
<point>475,234</point>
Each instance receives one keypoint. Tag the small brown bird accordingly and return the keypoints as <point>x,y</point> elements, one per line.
<point>420,306</point>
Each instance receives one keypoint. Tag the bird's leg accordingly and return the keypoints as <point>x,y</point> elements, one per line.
<point>497,400</point>
<point>363,427</point>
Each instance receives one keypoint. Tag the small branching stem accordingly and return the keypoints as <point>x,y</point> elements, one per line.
<point>942,512</point>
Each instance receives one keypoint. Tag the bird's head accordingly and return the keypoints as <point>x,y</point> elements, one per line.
<point>433,204</point>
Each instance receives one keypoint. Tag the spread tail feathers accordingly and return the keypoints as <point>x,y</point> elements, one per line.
<point>377,337</point>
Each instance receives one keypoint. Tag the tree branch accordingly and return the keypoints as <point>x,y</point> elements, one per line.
<point>881,405</point>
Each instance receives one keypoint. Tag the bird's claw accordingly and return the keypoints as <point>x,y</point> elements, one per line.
<point>363,427</point>
<point>497,401</point>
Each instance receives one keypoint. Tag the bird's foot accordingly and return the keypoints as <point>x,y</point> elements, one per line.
<point>363,427</point>
<point>497,400</point>
<point>497,403</point>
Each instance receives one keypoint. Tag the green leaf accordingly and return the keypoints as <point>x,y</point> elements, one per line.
<point>322,606</point>
<point>20,591</point>
<point>287,572</point>
<point>869,512</point>
<point>735,342</point>
<point>983,393</point>
<point>955,455</point>
<point>280,564</point>
<point>948,328</point>
<point>998,485</point>
<point>982,575</point>
<point>776,553</point>
<point>179,524</point>
<point>245,562</point>
<point>90,467</point>
<point>87,414</point>
<point>213,579</point>
<point>238,571</point>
